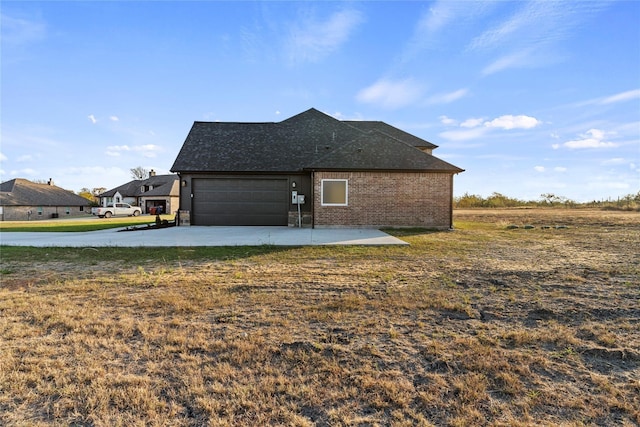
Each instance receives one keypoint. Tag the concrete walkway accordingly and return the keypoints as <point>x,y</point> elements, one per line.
<point>203,236</point>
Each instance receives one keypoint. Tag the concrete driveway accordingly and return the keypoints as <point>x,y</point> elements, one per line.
<point>203,236</point>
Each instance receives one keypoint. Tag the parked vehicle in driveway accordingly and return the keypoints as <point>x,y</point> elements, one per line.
<point>113,209</point>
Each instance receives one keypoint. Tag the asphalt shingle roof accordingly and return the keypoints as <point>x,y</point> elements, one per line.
<point>368,126</point>
<point>22,192</point>
<point>377,151</point>
<point>309,140</point>
<point>163,185</point>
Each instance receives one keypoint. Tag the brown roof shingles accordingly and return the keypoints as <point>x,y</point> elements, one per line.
<point>22,192</point>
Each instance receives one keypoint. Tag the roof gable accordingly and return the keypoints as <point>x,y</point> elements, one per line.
<point>22,192</point>
<point>169,188</point>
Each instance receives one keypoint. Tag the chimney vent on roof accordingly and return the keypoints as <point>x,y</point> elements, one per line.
<point>152,173</point>
<point>50,181</point>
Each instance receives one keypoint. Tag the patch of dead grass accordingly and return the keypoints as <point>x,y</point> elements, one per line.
<point>473,327</point>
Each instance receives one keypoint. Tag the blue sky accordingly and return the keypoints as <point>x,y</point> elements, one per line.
<point>528,97</point>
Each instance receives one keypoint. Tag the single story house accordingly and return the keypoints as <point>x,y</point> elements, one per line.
<point>312,170</point>
<point>23,200</point>
<point>153,192</point>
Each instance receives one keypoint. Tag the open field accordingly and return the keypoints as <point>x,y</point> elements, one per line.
<point>484,325</point>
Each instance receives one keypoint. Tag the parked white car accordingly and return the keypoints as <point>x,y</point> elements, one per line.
<point>116,209</point>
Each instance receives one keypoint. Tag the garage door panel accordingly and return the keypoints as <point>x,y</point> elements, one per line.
<point>244,197</point>
<point>223,201</point>
<point>254,208</point>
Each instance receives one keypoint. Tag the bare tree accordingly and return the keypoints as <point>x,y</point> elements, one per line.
<point>139,173</point>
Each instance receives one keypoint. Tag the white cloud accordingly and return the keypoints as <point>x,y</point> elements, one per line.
<point>513,122</point>
<point>447,121</point>
<point>23,172</point>
<point>464,135</point>
<point>588,143</point>
<point>560,169</point>
<point>437,17</point>
<point>436,22</point>
<point>536,22</point>
<point>92,119</point>
<point>340,116</point>
<point>391,94</point>
<point>517,59</point>
<point>615,161</point>
<point>539,168</point>
<point>147,150</point>
<point>114,118</point>
<point>3,158</point>
<point>593,138</point>
<point>446,98</point>
<point>628,95</point>
<point>313,40</point>
<point>476,127</point>
<point>18,32</point>
<point>119,148</point>
<point>471,123</point>
<point>595,134</point>
<point>621,97</point>
<point>530,32</point>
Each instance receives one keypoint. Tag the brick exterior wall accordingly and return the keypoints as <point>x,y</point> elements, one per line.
<point>387,199</point>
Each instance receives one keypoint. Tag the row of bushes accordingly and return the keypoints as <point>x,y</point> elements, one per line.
<point>497,200</point>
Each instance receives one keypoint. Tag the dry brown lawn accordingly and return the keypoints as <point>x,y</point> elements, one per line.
<point>484,325</point>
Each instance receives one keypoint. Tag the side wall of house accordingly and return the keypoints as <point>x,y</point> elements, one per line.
<point>21,213</point>
<point>387,199</point>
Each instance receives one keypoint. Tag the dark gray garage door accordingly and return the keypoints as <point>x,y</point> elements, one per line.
<point>222,201</point>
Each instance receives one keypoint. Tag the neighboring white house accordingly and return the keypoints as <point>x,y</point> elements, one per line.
<point>155,191</point>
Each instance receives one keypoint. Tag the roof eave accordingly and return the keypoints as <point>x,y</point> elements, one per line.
<point>324,169</point>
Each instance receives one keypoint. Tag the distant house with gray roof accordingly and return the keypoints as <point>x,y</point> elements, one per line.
<point>151,193</point>
<point>312,170</point>
<point>23,200</point>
